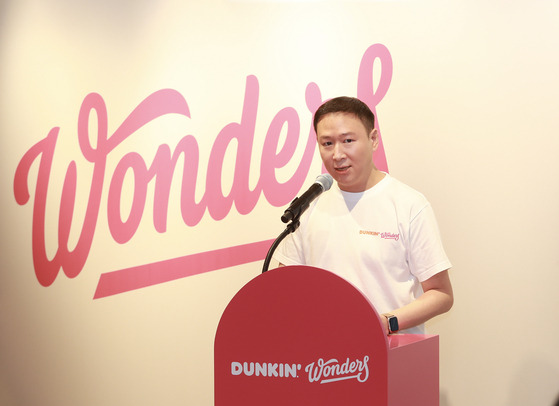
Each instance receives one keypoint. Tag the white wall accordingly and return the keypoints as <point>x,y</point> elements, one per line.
<point>469,119</point>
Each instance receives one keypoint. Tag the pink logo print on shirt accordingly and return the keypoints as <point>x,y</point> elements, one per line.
<point>385,235</point>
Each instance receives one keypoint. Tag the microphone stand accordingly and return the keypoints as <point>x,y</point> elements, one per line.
<point>293,213</point>
<point>291,227</point>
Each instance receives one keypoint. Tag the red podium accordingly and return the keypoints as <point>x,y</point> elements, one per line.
<point>299,335</point>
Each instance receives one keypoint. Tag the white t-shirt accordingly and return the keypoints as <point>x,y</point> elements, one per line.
<point>385,241</point>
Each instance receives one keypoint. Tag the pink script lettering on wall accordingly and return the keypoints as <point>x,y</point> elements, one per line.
<point>161,171</point>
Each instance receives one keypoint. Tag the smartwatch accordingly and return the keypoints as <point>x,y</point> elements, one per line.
<point>392,323</point>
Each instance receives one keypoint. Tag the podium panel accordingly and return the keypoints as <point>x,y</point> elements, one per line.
<point>300,335</point>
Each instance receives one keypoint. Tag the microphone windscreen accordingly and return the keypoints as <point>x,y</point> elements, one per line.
<point>325,180</point>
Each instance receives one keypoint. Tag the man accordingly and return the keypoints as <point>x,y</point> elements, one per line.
<point>371,229</point>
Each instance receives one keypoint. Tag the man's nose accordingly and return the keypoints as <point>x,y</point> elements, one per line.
<point>338,152</point>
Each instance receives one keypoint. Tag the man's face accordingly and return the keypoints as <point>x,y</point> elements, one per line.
<point>347,151</point>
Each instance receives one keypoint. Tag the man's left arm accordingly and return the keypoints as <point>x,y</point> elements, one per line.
<point>437,298</point>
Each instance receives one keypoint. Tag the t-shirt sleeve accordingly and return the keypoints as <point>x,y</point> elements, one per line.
<point>426,255</point>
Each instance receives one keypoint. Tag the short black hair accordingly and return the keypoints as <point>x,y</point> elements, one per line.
<point>349,105</point>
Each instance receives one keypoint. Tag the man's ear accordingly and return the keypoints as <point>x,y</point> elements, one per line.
<point>374,138</point>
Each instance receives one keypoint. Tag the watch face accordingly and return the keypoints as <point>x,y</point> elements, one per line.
<point>393,324</point>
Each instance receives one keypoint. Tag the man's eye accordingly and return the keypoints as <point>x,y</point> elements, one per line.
<point>326,144</point>
<point>348,140</point>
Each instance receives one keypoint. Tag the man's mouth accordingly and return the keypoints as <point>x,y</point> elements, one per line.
<point>341,168</point>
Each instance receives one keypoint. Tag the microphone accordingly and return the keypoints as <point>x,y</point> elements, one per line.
<point>300,204</point>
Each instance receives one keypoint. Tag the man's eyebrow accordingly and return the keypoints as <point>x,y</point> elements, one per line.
<point>346,134</point>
